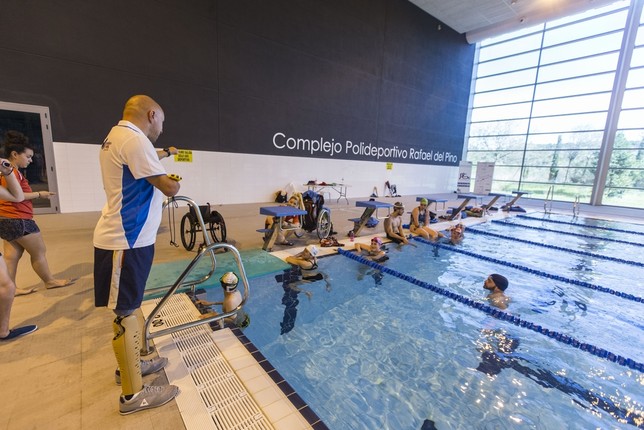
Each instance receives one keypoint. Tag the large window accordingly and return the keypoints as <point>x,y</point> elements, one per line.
<point>552,107</point>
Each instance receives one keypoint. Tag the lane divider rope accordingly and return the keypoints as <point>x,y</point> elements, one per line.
<point>584,284</point>
<point>502,315</point>
<point>558,248</point>
<point>576,224</point>
<point>515,224</point>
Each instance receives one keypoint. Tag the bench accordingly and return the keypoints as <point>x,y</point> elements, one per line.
<point>278,212</point>
<point>370,206</point>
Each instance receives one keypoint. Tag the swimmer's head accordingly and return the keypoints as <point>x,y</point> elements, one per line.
<point>500,281</point>
<point>313,250</point>
<point>229,281</point>
<point>424,201</point>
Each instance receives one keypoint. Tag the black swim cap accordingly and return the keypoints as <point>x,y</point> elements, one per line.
<point>500,281</point>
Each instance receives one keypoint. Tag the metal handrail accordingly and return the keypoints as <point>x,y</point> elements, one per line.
<point>210,250</point>
<point>547,203</point>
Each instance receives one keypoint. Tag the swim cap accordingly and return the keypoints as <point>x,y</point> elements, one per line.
<point>398,205</point>
<point>500,281</point>
<point>423,201</point>
<point>377,240</point>
<point>229,281</point>
<point>313,250</point>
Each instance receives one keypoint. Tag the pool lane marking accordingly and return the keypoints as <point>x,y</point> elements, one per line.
<point>558,248</point>
<point>497,313</point>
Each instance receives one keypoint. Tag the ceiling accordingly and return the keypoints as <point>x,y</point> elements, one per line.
<point>480,19</point>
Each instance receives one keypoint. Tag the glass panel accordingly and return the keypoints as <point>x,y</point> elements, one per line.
<point>633,139</point>
<point>632,159</point>
<point>495,128</point>
<point>513,35</point>
<point>521,110</point>
<point>514,95</point>
<point>572,87</point>
<point>638,57</point>
<point>633,98</point>
<point>635,78</point>
<point>586,66</point>
<point>511,47</point>
<point>583,48</point>
<point>518,62</point>
<point>496,142</point>
<point>506,173</point>
<point>588,14</point>
<point>631,119</point>
<point>587,28</point>
<point>589,121</point>
<point>624,197</point>
<point>505,80</point>
<point>578,140</point>
<point>579,104</point>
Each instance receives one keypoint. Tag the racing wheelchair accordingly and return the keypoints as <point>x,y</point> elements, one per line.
<point>317,218</point>
<point>213,221</point>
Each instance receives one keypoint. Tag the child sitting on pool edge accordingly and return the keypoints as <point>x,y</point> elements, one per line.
<point>374,251</point>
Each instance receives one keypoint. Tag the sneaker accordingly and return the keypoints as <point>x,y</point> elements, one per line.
<point>148,367</point>
<point>20,331</point>
<point>151,396</point>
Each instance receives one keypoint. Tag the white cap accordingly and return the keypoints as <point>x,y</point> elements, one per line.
<point>313,250</point>
<point>229,281</point>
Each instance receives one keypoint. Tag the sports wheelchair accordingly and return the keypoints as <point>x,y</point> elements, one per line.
<point>213,220</point>
<point>317,218</point>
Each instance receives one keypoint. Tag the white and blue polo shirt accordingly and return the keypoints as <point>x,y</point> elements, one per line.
<point>132,214</point>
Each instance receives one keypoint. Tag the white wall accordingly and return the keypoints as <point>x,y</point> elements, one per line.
<point>225,178</point>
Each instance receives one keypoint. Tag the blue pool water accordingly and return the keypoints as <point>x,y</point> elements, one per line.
<point>371,351</point>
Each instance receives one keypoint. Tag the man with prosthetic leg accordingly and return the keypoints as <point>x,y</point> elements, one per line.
<point>135,183</point>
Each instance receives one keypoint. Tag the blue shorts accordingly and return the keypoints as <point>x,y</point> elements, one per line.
<point>15,228</point>
<point>120,277</point>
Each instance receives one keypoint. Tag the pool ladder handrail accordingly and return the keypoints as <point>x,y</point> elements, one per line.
<point>547,203</point>
<point>575,207</point>
<point>210,250</point>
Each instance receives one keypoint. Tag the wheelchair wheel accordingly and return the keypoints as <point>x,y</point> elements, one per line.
<point>188,232</point>
<point>217,227</point>
<point>324,223</point>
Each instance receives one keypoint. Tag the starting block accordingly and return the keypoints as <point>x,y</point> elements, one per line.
<point>278,212</point>
<point>370,207</point>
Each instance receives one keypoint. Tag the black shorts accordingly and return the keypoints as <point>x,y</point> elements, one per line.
<point>120,277</point>
<point>15,228</point>
<point>394,239</point>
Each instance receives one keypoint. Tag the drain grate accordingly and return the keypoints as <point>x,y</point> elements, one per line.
<point>224,397</point>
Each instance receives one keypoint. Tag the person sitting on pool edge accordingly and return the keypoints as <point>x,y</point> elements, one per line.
<point>374,251</point>
<point>419,222</point>
<point>306,259</point>
<point>497,284</point>
<point>393,225</point>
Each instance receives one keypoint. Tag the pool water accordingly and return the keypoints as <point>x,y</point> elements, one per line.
<point>368,350</point>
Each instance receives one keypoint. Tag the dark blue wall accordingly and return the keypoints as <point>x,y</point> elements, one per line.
<point>232,74</point>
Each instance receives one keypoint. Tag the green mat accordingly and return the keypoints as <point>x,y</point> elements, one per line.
<point>256,263</point>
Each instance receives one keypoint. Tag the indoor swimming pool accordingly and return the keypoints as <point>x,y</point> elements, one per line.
<point>410,342</point>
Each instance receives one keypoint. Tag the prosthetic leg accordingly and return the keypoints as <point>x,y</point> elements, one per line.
<point>127,348</point>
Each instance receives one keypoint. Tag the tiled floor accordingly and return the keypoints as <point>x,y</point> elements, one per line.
<point>62,376</point>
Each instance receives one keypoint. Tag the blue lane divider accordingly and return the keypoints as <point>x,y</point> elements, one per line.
<point>558,248</point>
<point>497,313</point>
<point>533,271</point>
<point>576,224</point>
<point>514,224</point>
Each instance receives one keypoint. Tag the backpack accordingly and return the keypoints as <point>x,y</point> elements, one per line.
<point>281,197</point>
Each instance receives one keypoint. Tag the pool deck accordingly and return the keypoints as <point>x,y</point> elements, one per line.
<point>62,375</point>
